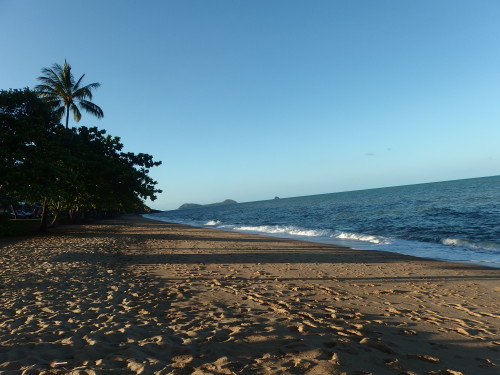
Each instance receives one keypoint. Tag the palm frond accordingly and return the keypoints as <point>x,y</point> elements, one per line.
<point>53,75</point>
<point>58,87</point>
<point>85,92</point>
<point>82,93</point>
<point>48,80</point>
<point>91,108</point>
<point>76,113</point>
<point>48,84</point>
<point>76,86</point>
<point>58,68</point>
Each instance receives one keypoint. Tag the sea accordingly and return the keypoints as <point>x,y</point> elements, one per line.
<point>457,221</point>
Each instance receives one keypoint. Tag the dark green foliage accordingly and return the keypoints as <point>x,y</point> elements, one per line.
<point>103,177</point>
<point>25,123</point>
<point>75,170</point>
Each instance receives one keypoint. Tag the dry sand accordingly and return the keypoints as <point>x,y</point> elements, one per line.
<point>134,296</point>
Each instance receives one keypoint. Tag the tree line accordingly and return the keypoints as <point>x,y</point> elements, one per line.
<point>62,169</point>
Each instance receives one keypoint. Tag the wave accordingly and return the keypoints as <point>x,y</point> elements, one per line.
<point>212,223</point>
<point>303,232</point>
<point>277,229</point>
<point>484,245</point>
<point>362,237</point>
<point>447,249</point>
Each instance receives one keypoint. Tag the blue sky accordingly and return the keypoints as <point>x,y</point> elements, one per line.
<point>251,99</point>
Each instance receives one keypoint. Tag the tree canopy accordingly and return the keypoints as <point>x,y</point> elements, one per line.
<point>76,170</point>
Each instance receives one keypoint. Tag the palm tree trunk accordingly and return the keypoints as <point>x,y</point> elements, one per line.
<point>67,116</point>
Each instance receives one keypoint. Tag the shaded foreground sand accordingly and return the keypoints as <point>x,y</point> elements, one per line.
<point>142,297</point>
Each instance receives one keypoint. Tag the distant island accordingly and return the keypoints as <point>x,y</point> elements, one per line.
<point>195,205</point>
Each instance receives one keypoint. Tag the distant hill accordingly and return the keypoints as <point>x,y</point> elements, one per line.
<point>189,205</point>
<point>195,205</point>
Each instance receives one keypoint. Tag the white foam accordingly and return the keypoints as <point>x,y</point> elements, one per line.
<point>361,237</point>
<point>470,244</point>
<point>450,249</point>
<point>276,229</point>
<point>212,223</point>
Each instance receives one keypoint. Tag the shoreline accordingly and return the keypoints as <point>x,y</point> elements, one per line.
<point>141,295</point>
<point>338,243</point>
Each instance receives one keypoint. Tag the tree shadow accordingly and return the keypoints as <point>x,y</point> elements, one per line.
<point>379,346</point>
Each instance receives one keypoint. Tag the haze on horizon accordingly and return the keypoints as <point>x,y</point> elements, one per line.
<point>251,100</point>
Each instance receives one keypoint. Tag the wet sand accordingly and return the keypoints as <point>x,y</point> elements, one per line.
<point>135,296</point>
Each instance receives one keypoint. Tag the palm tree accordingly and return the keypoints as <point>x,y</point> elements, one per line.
<point>59,89</point>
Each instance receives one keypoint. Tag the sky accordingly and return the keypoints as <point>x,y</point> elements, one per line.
<point>248,100</point>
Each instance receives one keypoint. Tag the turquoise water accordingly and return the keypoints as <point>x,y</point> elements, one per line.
<point>455,221</point>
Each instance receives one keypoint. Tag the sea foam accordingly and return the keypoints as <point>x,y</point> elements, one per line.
<point>455,221</point>
<point>471,244</point>
<point>212,223</point>
<point>361,237</point>
<point>277,229</point>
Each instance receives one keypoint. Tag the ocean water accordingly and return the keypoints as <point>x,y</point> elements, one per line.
<point>456,221</point>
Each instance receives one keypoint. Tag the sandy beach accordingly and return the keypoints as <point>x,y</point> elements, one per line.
<point>136,296</point>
